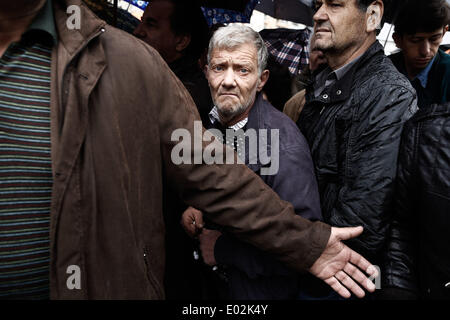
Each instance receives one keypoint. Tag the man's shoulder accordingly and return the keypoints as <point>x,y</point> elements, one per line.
<point>289,133</point>
<point>444,61</point>
<point>119,44</point>
<point>273,118</point>
<point>433,113</point>
<point>381,69</point>
<point>381,77</point>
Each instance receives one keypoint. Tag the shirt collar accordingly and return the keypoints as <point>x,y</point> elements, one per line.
<point>423,75</point>
<point>214,117</point>
<point>338,74</point>
<point>45,21</point>
<point>327,76</point>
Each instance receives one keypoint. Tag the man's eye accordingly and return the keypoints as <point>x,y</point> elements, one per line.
<point>218,68</point>
<point>243,70</point>
<point>435,39</point>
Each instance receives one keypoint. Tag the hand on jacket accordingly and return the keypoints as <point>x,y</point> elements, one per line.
<point>339,266</point>
<point>208,240</point>
<point>192,221</point>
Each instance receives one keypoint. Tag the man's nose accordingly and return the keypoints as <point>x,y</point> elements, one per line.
<point>425,48</point>
<point>229,79</point>
<point>320,15</point>
<point>139,31</point>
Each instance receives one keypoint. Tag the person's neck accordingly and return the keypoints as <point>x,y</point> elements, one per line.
<point>15,19</point>
<point>411,72</point>
<point>338,60</point>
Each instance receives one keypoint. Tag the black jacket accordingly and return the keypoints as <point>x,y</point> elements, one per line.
<point>418,256</point>
<point>353,129</point>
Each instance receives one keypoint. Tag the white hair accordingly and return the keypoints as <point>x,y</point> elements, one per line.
<point>235,35</point>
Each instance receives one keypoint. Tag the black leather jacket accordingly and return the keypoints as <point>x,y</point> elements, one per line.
<point>353,129</point>
<point>418,256</point>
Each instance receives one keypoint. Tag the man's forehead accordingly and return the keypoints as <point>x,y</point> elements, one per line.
<point>340,1</point>
<point>424,35</point>
<point>158,9</point>
<point>243,51</point>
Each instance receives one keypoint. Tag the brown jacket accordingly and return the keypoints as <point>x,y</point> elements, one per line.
<point>114,106</point>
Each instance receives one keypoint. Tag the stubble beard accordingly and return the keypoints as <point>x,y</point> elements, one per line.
<point>227,113</point>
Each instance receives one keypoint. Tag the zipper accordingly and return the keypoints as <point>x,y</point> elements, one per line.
<point>321,111</point>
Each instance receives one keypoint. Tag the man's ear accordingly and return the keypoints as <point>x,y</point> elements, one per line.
<point>263,79</point>
<point>182,42</point>
<point>374,15</point>
<point>397,39</point>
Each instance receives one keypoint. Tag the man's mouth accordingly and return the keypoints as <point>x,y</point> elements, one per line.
<point>228,94</point>
<point>423,61</point>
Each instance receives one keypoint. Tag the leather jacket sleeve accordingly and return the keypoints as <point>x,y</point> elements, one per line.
<point>400,261</point>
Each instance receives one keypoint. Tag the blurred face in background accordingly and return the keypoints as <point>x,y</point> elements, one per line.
<point>155,29</point>
<point>419,48</point>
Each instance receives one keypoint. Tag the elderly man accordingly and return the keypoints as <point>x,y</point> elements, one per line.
<point>81,214</point>
<point>237,59</point>
<point>353,119</point>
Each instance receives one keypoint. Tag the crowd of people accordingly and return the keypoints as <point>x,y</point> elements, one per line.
<point>354,173</point>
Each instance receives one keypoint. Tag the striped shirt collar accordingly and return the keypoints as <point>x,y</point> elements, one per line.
<point>214,117</point>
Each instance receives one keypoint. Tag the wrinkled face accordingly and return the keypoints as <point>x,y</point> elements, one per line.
<point>339,25</point>
<point>419,48</point>
<point>155,29</point>
<point>234,79</point>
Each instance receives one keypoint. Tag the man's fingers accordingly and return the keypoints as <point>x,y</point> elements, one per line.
<point>349,284</point>
<point>198,216</point>
<point>348,233</point>
<point>360,262</point>
<point>359,277</point>
<point>338,287</point>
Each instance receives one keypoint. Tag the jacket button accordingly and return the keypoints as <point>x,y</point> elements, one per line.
<point>339,92</point>
<point>325,96</point>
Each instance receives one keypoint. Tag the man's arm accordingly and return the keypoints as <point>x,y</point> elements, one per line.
<point>234,197</point>
<point>399,274</point>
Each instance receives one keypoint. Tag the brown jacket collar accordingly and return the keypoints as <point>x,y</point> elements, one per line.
<point>74,40</point>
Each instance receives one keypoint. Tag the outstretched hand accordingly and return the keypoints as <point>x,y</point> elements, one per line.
<point>339,266</point>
